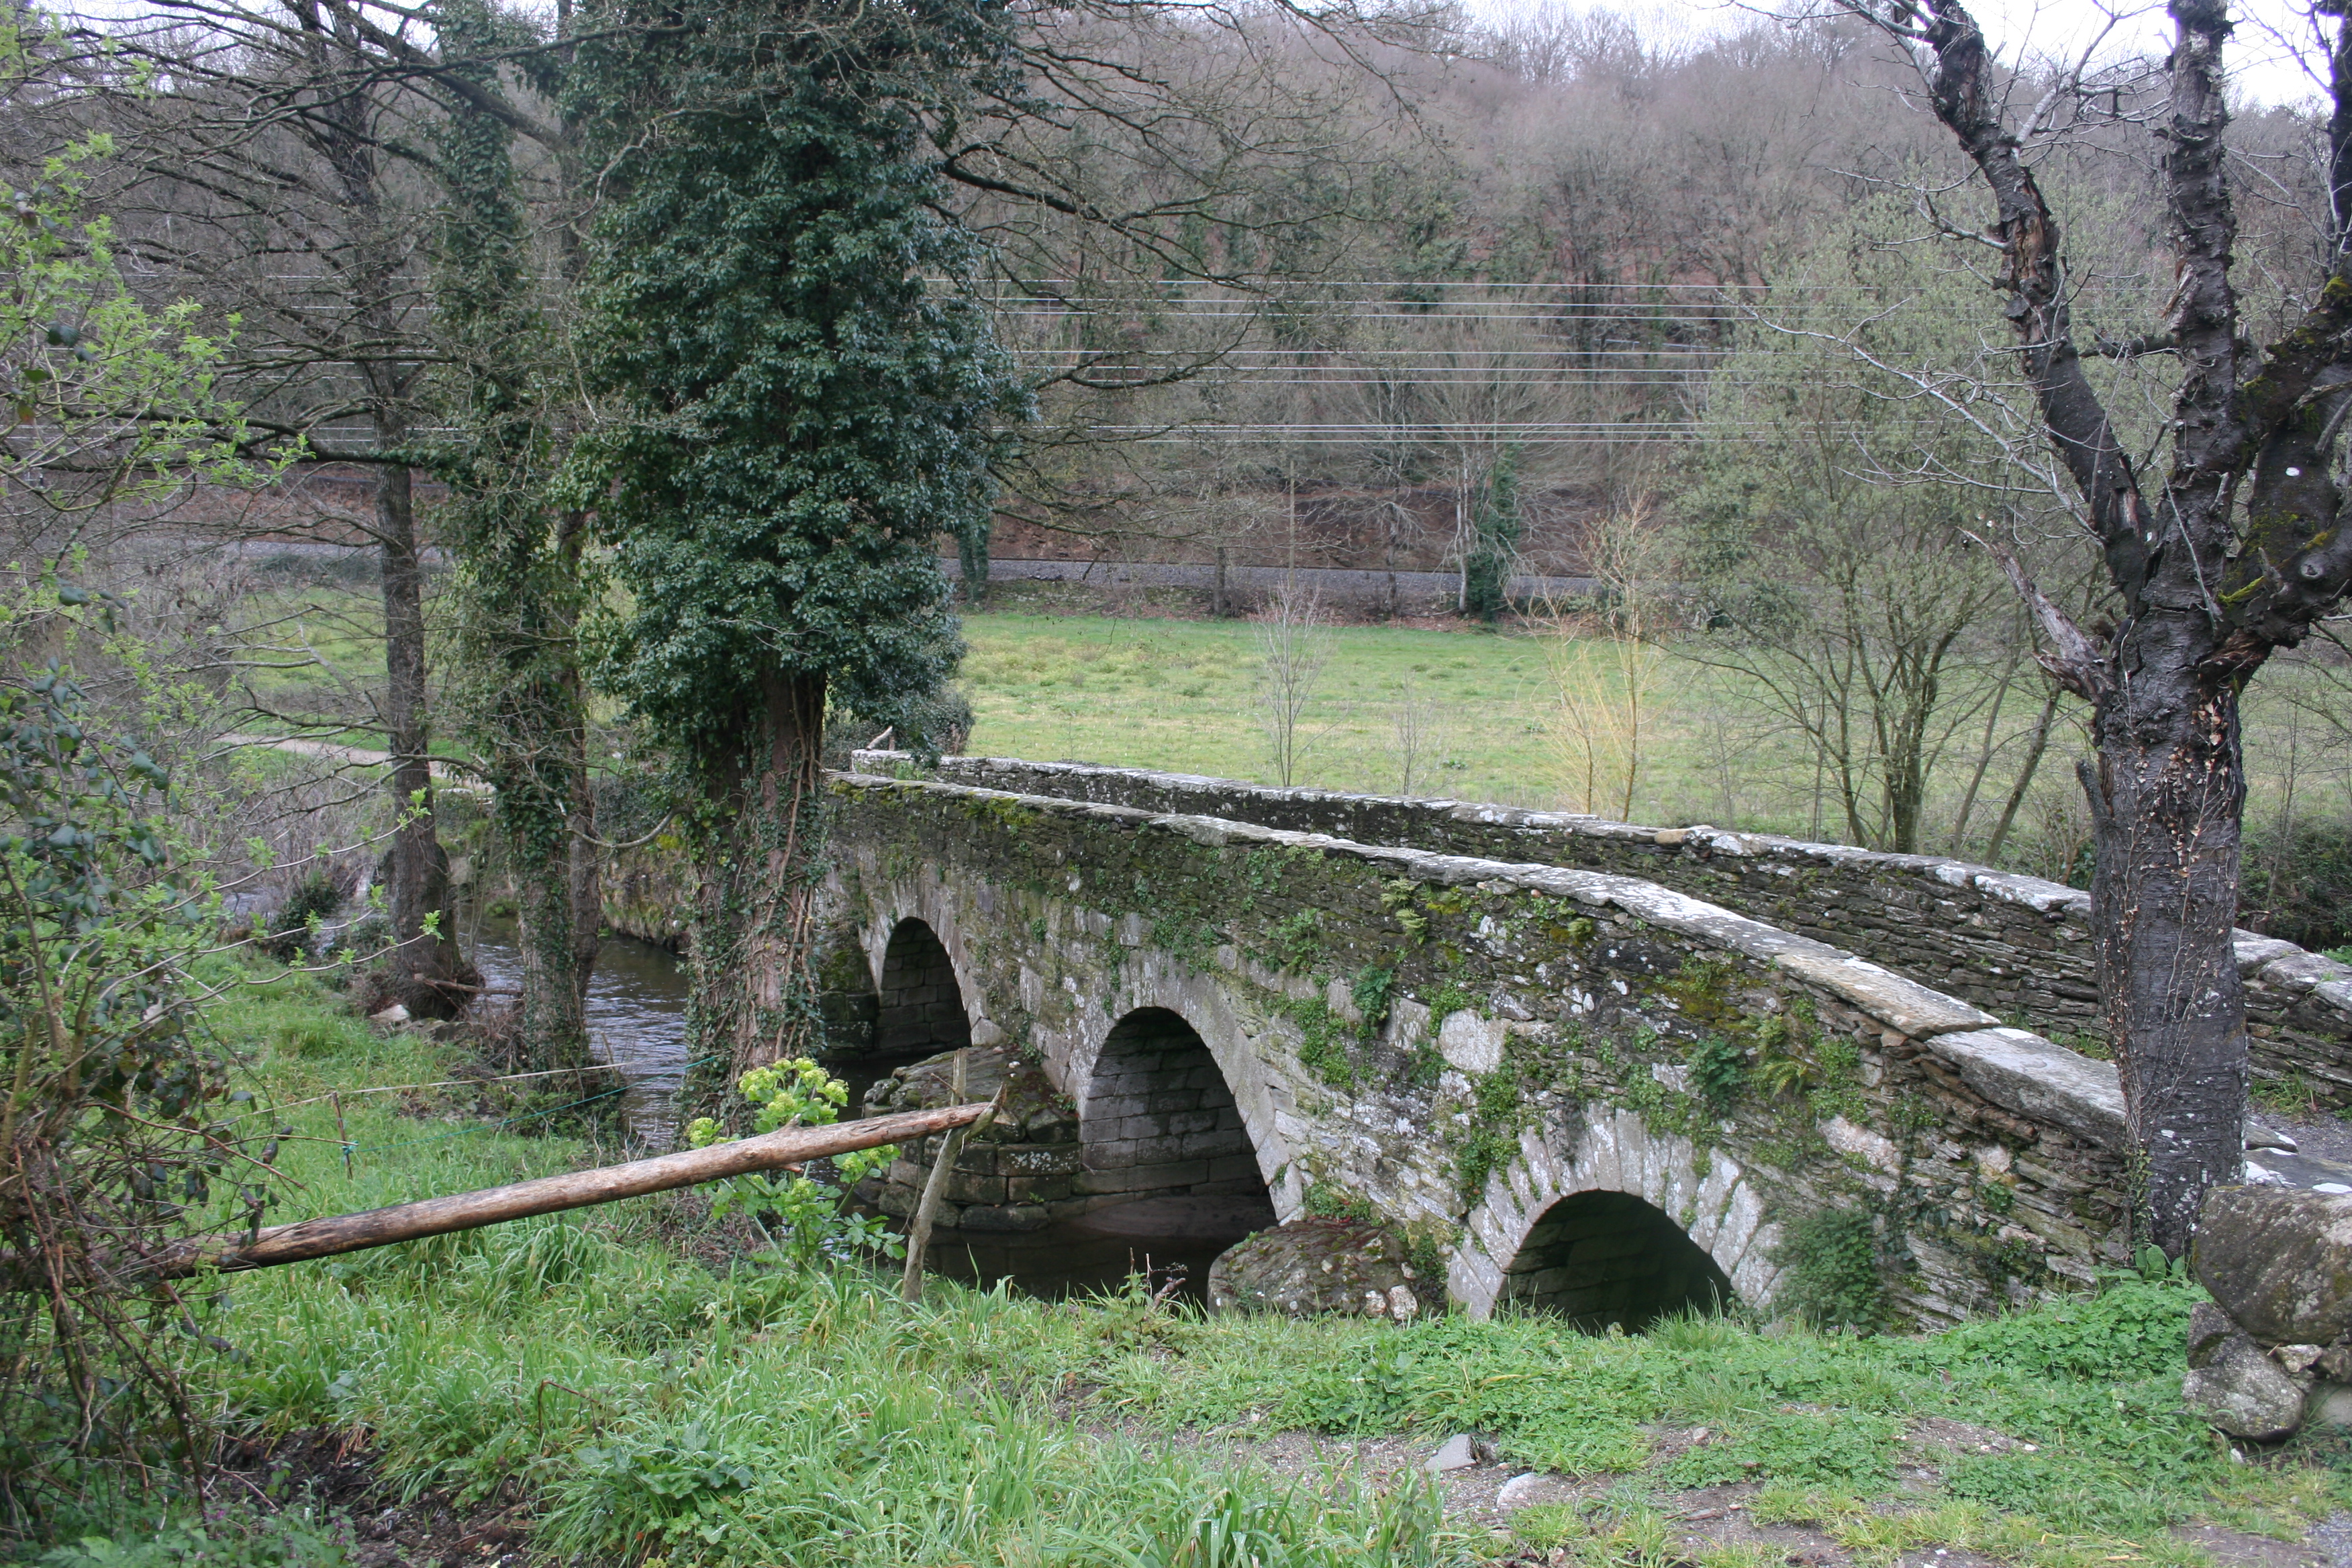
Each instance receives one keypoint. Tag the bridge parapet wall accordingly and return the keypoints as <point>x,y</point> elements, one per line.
<point>1452,1042</point>
<point>2018,946</point>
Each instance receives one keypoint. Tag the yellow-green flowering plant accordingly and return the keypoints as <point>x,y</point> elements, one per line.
<point>802,1215</point>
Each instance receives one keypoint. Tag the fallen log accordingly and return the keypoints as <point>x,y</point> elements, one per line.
<point>335,1234</point>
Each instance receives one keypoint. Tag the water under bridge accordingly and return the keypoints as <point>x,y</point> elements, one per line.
<point>1594,1068</point>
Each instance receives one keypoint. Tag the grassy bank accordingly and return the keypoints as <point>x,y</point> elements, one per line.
<point>655,1400</point>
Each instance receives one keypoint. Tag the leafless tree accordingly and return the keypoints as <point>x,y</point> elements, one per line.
<point>1420,730</point>
<point>2233,554</point>
<point>1294,644</point>
<point>279,180</point>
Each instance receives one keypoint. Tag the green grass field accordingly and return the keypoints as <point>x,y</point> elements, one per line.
<point>1184,695</point>
<point>1181,695</point>
<point>652,1402</point>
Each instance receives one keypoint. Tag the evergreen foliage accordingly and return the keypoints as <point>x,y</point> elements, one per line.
<point>800,400</point>
<point>805,400</point>
<point>1497,529</point>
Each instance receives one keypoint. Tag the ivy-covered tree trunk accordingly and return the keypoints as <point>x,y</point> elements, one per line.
<point>524,572</point>
<point>801,398</point>
<point>753,999</point>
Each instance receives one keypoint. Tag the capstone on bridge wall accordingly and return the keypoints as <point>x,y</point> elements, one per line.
<point>1530,1028</point>
<point>2015,945</point>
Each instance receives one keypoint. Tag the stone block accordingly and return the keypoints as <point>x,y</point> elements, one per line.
<point>1158,1151</point>
<point>1038,1189</point>
<point>1212,1145</point>
<point>1136,1129</point>
<point>1005,1218</point>
<point>965,1189</point>
<point>2278,1261</point>
<point>1039,1160</point>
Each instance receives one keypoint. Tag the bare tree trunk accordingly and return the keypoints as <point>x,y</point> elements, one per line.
<point>2167,793</point>
<point>2025,772</point>
<point>1984,757</point>
<point>430,975</point>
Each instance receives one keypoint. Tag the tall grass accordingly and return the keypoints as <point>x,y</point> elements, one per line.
<point>656,1408</point>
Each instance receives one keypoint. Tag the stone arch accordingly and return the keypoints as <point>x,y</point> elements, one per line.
<point>1159,1117</point>
<point>921,1005</point>
<point>1603,1177</point>
<point>1603,1259</point>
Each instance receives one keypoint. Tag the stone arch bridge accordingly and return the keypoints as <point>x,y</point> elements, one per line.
<point>1580,1066</point>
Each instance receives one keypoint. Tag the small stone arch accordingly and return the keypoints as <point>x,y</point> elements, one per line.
<point>1604,1259</point>
<point>920,1003</point>
<point>1158,1118</point>
<point>1603,1220</point>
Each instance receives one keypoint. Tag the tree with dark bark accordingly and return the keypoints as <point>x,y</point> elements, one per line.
<point>278,182</point>
<point>2233,554</point>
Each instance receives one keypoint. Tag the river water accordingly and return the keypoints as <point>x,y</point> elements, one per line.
<point>636,1021</point>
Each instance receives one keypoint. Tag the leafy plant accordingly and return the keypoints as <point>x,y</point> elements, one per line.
<point>1323,1040</point>
<point>292,1539</point>
<point>1829,1260</point>
<point>108,1144</point>
<point>314,898</point>
<point>105,399</point>
<point>1718,1073</point>
<point>1297,940</point>
<point>802,1215</point>
<point>1370,994</point>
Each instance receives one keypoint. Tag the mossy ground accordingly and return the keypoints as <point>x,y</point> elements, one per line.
<point>645,1394</point>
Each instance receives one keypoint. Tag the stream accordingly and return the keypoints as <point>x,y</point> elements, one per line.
<point>636,1021</point>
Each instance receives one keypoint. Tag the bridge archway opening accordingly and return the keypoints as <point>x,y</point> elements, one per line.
<point>1158,1121</point>
<point>922,1009</point>
<point>1605,1257</point>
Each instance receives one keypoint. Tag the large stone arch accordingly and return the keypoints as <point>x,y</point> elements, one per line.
<point>1603,1149</point>
<point>1158,1116</point>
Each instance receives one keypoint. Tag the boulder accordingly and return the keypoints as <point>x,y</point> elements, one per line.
<point>1311,1267</point>
<point>2235,1385</point>
<point>2278,1260</point>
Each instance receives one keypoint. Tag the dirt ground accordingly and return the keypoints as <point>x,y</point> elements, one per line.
<point>334,1472</point>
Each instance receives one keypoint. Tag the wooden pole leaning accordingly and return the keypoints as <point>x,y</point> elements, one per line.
<point>336,1234</point>
<point>926,1208</point>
